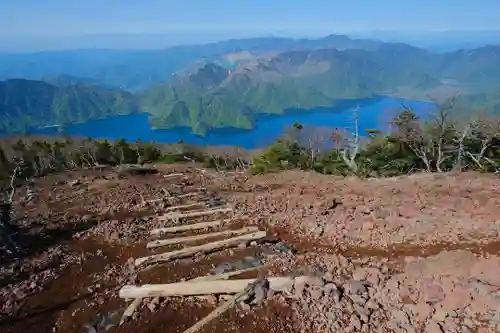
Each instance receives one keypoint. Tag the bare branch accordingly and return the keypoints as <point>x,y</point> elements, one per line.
<point>461,148</point>
<point>484,128</point>
<point>351,151</point>
<point>12,183</point>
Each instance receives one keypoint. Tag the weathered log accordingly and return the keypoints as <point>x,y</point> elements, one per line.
<point>186,207</point>
<point>225,276</point>
<point>190,194</point>
<point>189,288</point>
<point>173,175</point>
<point>188,227</point>
<point>178,216</point>
<point>177,240</point>
<point>129,311</point>
<point>205,248</point>
<point>223,308</point>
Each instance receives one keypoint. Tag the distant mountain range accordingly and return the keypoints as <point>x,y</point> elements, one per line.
<point>134,70</point>
<point>215,96</point>
<point>226,84</point>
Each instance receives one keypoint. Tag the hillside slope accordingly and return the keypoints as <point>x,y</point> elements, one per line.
<point>216,96</point>
<point>29,103</point>
<point>415,253</point>
<point>234,88</point>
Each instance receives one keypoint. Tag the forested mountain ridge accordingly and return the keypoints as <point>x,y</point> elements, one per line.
<point>30,103</point>
<point>136,70</point>
<point>231,90</point>
<point>215,96</point>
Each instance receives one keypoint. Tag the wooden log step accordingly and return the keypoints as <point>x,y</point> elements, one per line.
<point>188,227</point>
<point>178,216</point>
<point>223,308</point>
<point>205,248</point>
<point>174,175</point>
<point>197,205</point>
<point>225,276</point>
<point>189,288</point>
<point>187,239</point>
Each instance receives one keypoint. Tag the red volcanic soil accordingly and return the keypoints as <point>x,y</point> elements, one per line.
<point>418,253</point>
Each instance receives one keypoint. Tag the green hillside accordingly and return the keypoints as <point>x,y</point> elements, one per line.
<point>212,95</point>
<point>28,103</point>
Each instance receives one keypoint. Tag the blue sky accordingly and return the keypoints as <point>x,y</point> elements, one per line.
<point>28,18</point>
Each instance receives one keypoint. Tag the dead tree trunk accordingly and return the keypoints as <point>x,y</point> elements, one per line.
<point>6,227</point>
<point>350,152</point>
<point>461,149</point>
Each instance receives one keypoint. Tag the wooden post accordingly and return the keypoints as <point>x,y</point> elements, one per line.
<point>223,308</point>
<point>129,311</point>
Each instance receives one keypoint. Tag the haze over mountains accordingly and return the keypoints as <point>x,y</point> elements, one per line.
<point>225,84</point>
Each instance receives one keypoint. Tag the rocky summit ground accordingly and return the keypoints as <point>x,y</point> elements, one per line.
<point>418,253</point>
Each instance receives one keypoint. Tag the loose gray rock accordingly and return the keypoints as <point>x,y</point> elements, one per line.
<point>355,322</point>
<point>433,327</point>
<point>358,299</point>
<point>372,305</point>
<point>363,313</point>
<point>244,306</point>
<point>315,281</point>
<point>355,287</point>
<point>400,317</point>
<point>315,292</point>
<point>260,292</point>
<point>299,286</point>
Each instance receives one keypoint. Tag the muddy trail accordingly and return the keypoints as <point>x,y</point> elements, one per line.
<point>360,255</point>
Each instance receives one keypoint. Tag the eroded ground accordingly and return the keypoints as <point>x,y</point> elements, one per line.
<point>410,254</point>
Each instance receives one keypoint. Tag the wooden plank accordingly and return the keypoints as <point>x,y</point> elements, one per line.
<point>223,308</point>
<point>178,216</point>
<point>187,239</point>
<point>130,310</point>
<point>225,276</point>
<point>186,207</point>
<point>188,227</point>
<point>189,288</point>
<point>173,175</point>
<point>190,194</point>
<point>205,248</point>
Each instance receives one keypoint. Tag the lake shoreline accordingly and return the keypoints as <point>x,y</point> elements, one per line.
<point>373,113</point>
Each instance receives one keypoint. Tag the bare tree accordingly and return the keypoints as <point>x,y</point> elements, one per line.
<point>215,160</point>
<point>243,158</point>
<point>6,212</point>
<point>410,131</point>
<point>484,128</point>
<point>441,128</point>
<point>336,138</point>
<point>461,149</point>
<point>352,144</point>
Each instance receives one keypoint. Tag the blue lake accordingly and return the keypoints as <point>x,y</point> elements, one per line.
<point>373,113</point>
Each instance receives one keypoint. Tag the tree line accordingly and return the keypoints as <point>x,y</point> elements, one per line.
<point>446,141</point>
<point>30,157</point>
